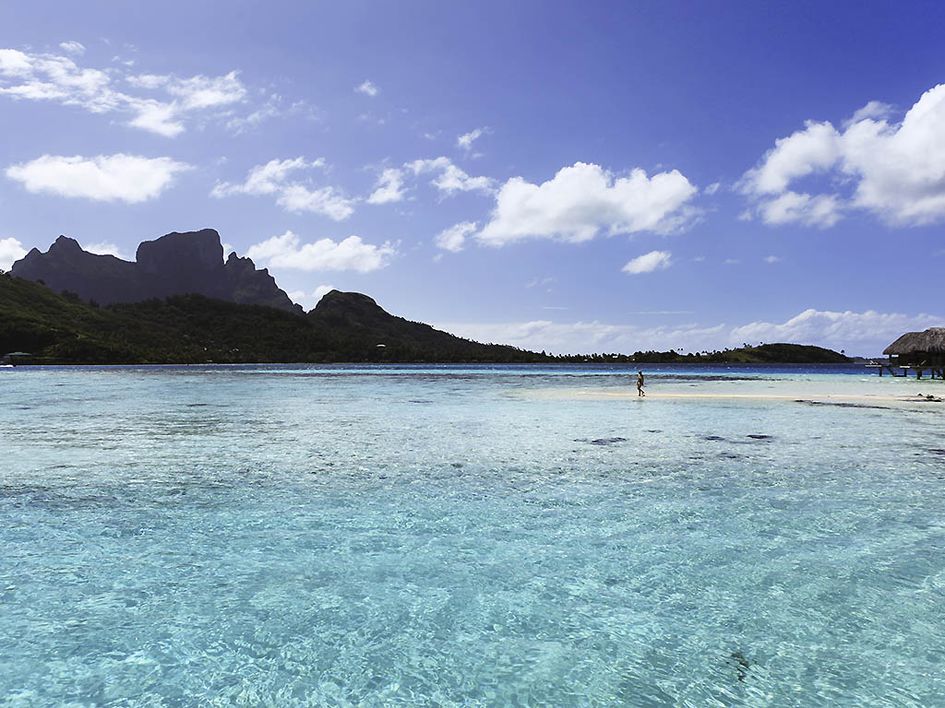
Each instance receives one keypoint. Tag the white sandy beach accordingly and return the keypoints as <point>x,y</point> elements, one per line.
<point>875,394</point>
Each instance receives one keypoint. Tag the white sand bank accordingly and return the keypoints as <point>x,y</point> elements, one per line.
<point>590,394</point>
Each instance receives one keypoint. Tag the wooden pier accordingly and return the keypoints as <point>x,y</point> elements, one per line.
<point>902,370</point>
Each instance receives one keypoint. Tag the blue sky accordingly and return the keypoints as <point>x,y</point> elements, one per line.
<point>566,176</point>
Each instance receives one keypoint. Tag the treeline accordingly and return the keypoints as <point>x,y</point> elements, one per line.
<point>748,354</point>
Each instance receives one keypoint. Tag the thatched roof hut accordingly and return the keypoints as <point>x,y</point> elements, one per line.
<point>931,341</point>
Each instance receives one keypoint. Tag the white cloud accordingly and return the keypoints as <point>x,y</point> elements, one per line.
<point>454,238</point>
<point>309,300</point>
<point>792,207</point>
<point>450,178</point>
<point>157,117</point>
<point>58,79</point>
<point>14,64</point>
<point>816,148</point>
<point>72,47</point>
<point>389,187</point>
<point>107,178</point>
<point>326,201</point>
<point>11,250</point>
<point>582,200</point>
<point>649,262</point>
<point>712,188</point>
<point>466,140</point>
<point>352,253</point>
<point>858,332</point>
<point>321,291</point>
<point>838,330</point>
<point>368,88</point>
<point>272,108</point>
<point>276,177</point>
<point>268,178</point>
<point>895,171</point>
<point>874,109</point>
<point>199,92</point>
<point>104,248</point>
<point>585,337</point>
<point>772,259</point>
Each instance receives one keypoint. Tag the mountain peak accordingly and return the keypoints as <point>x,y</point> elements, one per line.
<point>334,298</point>
<point>191,250</point>
<point>178,263</point>
<point>64,244</point>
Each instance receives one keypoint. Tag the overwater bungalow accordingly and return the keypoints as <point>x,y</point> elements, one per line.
<point>919,352</point>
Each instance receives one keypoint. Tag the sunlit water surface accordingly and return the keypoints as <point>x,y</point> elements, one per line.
<point>469,535</point>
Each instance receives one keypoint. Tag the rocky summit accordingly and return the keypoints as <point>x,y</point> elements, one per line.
<point>175,264</point>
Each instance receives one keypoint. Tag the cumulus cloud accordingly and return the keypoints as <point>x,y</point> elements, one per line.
<point>449,178</point>
<point>894,170</point>
<point>584,199</point>
<point>860,332</point>
<point>278,178</point>
<point>874,109</point>
<point>392,185</point>
<point>309,300</point>
<point>368,88</point>
<point>466,140</point>
<point>585,337</point>
<point>321,291</point>
<point>160,104</point>
<point>389,187</point>
<point>268,178</point>
<point>324,200</point>
<point>454,238</point>
<point>105,248</point>
<point>195,92</point>
<point>822,210</point>
<point>11,250</point>
<point>835,329</point>
<point>107,178</point>
<point>649,262</point>
<point>72,47</point>
<point>352,253</point>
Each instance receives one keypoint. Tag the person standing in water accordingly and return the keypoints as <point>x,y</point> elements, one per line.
<point>640,384</point>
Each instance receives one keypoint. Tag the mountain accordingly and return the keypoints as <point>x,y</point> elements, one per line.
<point>175,264</point>
<point>358,320</point>
<point>57,328</point>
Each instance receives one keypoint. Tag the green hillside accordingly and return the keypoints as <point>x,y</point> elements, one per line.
<point>194,329</point>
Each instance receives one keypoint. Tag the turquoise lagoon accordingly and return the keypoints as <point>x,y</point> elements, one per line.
<point>338,535</point>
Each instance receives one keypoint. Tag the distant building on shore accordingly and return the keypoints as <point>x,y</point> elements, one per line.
<point>920,351</point>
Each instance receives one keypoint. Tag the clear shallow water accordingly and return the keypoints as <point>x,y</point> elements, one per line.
<point>456,535</point>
